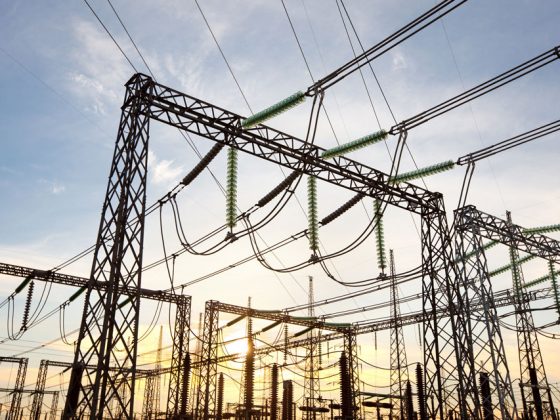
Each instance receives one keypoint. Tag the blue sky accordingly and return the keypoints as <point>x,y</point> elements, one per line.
<point>62,86</point>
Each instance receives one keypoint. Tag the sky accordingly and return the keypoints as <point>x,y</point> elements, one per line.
<point>63,79</point>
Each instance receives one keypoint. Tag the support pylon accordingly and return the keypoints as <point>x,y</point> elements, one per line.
<point>399,365</point>
<point>311,381</point>
<point>535,389</point>
<point>208,371</point>
<point>486,350</point>
<point>108,319</point>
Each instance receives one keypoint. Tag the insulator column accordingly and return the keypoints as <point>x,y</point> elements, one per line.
<point>486,396</point>
<point>287,400</point>
<point>346,400</point>
<point>274,393</point>
<point>421,393</point>
<point>220,402</point>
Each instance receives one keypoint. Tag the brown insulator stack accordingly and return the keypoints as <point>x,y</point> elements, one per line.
<point>486,396</point>
<point>409,403</point>
<point>285,343</point>
<point>345,389</point>
<point>220,402</point>
<point>27,306</point>
<point>421,393</point>
<point>185,386</point>
<point>287,400</point>
<point>274,393</point>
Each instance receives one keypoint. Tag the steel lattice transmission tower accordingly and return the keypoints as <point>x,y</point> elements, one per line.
<point>535,390</point>
<point>399,365</point>
<point>487,345</point>
<point>118,254</point>
<point>311,382</point>
<point>117,261</point>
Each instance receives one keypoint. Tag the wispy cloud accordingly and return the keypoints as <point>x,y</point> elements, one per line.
<point>399,61</point>
<point>53,187</point>
<point>163,171</point>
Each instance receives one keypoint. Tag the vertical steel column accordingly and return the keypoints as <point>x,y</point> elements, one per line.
<point>446,350</point>
<point>249,371</point>
<point>37,402</point>
<point>351,350</point>
<point>15,406</point>
<point>179,352</point>
<point>209,354</point>
<point>54,406</point>
<point>399,365</point>
<point>157,376</point>
<point>311,378</point>
<point>149,391</point>
<point>117,261</point>
<point>484,327</point>
<point>531,366</point>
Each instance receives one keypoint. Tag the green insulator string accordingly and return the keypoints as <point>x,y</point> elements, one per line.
<point>471,254</point>
<point>554,282</point>
<point>542,229</point>
<point>515,274</point>
<point>231,188</point>
<point>272,111</point>
<point>540,280</point>
<point>379,237</point>
<point>313,230</point>
<point>424,172</point>
<point>355,145</point>
<point>508,267</point>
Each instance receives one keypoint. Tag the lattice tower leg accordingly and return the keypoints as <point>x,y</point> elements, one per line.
<point>446,348</point>
<point>149,391</point>
<point>351,350</point>
<point>118,262</point>
<point>311,381</point>
<point>249,372</point>
<point>15,407</point>
<point>485,334</point>
<point>399,365</point>
<point>38,395</point>
<point>530,357</point>
<point>208,371</point>
<point>54,406</point>
<point>179,351</point>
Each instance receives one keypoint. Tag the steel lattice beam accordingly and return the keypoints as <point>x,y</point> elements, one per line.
<point>76,281</point>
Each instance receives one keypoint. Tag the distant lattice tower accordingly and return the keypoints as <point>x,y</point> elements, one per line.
<point>399,365</point>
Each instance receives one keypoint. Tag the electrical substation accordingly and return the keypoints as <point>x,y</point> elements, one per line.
<point>134,351</point>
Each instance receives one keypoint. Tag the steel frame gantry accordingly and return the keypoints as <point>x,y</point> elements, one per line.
<point>487,348</point>
<point>17,390</point>
<point>180,347</point>
<point>118,251</point>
